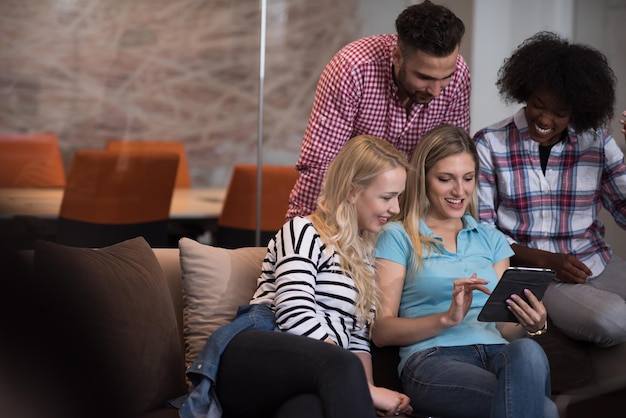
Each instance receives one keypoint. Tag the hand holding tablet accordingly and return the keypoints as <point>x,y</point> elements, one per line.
<point>514,281</point>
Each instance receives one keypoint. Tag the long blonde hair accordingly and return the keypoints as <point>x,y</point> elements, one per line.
<point>439,143</point>
<point>356,166</point>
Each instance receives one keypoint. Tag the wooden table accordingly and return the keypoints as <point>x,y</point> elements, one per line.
<point>45,203</point>
<point>27,214</point>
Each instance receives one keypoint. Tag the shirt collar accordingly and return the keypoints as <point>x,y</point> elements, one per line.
<point>469,224</point>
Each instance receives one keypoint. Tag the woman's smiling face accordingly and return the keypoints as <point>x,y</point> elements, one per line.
<point>379,202</point>
<point>546,117</point>
<point>450,186</point>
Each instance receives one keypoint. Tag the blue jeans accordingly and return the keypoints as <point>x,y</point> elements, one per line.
<point>496,380</point>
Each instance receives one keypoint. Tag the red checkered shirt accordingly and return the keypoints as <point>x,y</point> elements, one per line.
<point>356,95</point>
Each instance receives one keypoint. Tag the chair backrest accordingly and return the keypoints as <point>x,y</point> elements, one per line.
<point>183,177</point>
<point>31,160</point>
<point>236,224</point>
<point>112,196</point>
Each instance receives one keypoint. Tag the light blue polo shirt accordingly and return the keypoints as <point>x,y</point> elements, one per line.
<point>479,247</point>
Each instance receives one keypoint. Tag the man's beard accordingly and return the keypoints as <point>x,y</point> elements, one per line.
<point>415,96</point>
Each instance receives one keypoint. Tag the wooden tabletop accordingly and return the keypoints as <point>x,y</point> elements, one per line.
<point>192,203</point>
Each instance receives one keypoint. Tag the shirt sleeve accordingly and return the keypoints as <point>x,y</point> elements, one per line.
<point>394,244</point>
<point>330,126</point>
<point>613,183</point>
<point>487,188</point>
<point>487,183</point>
<point>360,340</point>
<point>295,275</point>
<point>498,241</point>
<point>458,113</point>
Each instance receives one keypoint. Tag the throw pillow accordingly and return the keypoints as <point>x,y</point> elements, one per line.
<point>118,315</point>
<point>216,281</point>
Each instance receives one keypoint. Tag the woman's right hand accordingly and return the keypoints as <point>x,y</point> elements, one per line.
<point>462,296</point>
<point>389,402</point>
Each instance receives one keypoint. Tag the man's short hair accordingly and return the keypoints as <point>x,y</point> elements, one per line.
<point>430,28</point>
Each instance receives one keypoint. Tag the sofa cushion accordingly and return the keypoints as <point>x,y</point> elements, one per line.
<point>215,282</point>
<point>570,363</point>
<point>117,301</point>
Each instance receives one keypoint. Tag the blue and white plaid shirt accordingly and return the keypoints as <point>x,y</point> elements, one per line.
<point>558,211</point>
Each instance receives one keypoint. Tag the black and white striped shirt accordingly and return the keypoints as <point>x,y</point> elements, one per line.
<point>306,288</point>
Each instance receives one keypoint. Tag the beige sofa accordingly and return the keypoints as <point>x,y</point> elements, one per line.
<point>114,328</point>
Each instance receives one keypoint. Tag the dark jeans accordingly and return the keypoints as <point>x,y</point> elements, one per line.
<point>271,374</point>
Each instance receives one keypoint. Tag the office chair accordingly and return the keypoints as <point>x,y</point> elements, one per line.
<point>183,176</point>
<point>112,196</point>
<point>31,160</point>
<point>236,225</point>
<point>178,228</point>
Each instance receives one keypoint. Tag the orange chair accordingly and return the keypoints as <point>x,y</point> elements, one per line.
<point>112,196</point>
<point>183,177</point>
<point>236,225</point>
<point>31,160</point>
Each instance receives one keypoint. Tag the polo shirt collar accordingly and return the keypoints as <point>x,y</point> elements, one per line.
<point>469,224</point>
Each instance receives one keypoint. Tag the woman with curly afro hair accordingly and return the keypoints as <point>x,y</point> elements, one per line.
<point>545,174</point>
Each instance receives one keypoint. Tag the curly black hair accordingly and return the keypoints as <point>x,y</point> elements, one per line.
<point>429,27</point>
<point>578,75</point>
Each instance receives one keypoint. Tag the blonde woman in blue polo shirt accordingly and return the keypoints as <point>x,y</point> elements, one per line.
<point>435,269</point>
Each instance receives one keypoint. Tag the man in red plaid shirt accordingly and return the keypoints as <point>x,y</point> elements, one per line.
<point>395,87</point>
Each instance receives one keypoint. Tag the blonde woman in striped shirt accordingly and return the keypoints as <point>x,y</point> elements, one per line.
<point>318,280</point>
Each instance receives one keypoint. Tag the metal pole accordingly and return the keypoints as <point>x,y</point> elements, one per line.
<point>259,182</point>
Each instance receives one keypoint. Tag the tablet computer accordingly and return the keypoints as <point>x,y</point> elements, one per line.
<point>515,280</point>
